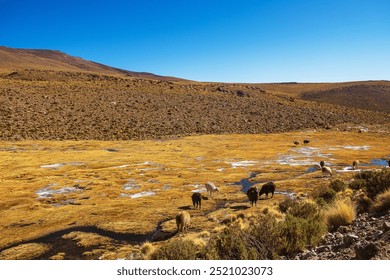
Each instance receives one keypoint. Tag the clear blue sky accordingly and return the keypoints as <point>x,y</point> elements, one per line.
<point>227,41</point>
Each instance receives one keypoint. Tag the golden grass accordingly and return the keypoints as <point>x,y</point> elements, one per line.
<point>170,168</point>
<point>382,202</point>
<point>340,213</point>
<point>26,251</point>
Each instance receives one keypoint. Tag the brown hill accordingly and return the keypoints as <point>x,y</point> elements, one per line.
<point>368,95</point>
<point>18,59</point>
<point>43,104</point>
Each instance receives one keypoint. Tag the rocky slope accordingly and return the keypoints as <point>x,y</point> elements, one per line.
<point>42,104</point>
<point>366,238</point>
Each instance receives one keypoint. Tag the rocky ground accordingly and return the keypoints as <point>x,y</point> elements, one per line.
<point>366,238</point>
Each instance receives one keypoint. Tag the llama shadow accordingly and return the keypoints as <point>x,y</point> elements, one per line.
<point>187,207</point>
<point>239,207</point>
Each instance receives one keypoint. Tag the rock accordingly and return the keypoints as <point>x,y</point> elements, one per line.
<point>338,235</point>
<point>324,248</point>
<point>343,229</point>
<point>366,251</point>
<point>349,239</point>
<point>386,226</point>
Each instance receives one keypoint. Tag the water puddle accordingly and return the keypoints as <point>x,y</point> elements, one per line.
<point>246,183</point>
<point>380,162</point>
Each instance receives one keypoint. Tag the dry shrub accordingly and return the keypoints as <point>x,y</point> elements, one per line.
<point>324,195</point>
<point>303,226</point>
<point>231,244</point>
<point>381,202</point>
<point>337,185</point>
<point>286,204</point>
<point>373,182</point>
<point>176,249</point>
<point>340,213</point>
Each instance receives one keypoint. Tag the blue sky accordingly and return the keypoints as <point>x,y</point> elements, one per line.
<point>226,41</point>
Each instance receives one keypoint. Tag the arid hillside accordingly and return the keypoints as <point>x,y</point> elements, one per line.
<point>17,59</point>
<point>50,95</point>
<point>45,104</point>
<point>368,95</point>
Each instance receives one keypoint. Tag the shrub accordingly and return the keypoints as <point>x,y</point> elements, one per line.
<point>382,202</point>
<point>374,182</point>
<point>286,204</point>
<point>176,249</point>
<point>340,213</point>
<point>363,204</point>
<point>337,185</point>
<point>324,195</point>
<point>266,231</point>
<point>357,184</point>
<point>303,209</point>
<point>231,244</point>
<point>303,226</point>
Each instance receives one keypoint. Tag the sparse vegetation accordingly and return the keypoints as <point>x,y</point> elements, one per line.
<point>338,185</point>
<point>324,195</point>
<point>176,249</point>
<point>373,182</point>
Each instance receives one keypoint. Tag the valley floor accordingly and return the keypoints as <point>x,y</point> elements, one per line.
<point>99,199</point>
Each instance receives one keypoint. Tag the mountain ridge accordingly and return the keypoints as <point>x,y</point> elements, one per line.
<point>45,59</point>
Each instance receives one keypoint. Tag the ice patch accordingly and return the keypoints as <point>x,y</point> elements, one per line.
<point>286,193</point>
<point>220,169</point>
<point>199,190</point>
<point>48,191</point>
<point>357,148</point>
<point>243,163</point>
<point>55,166</point>
<point>292,160</point>
<point>142,194</point>
<point>348,169</point>
<point>52,166</point>
<point>131,185</point>
<point>302,156</point>
<point>122,166</point>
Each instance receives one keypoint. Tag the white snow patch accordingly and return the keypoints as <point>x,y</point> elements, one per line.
<point>53,166</point>
<point>142,194</point>
<point>58,165</point>
<point>348,169</point>
<point>243,163</point>
<point>47,191</point>
<point>357,148</point>
<point>122,166</point>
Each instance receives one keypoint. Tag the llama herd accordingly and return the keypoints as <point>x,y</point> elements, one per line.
<point>183,218</point>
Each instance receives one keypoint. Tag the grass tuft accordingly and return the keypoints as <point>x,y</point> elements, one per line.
<point>340,213</point>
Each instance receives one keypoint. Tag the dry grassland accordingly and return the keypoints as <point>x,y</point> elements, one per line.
<point>136,187</point>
